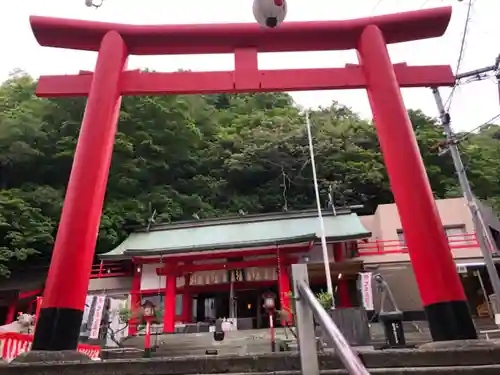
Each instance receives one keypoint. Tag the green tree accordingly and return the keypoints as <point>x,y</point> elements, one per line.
<point>24,230</point>
<point>183,157</point>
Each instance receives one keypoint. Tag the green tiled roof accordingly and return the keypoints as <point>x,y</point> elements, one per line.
<point>240,232</point>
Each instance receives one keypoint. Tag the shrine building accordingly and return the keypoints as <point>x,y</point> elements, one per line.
<point>198,271</point>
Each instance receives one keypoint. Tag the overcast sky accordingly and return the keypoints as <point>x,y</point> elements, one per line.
<point>472,104</point>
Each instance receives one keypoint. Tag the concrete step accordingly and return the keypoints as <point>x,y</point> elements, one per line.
<point>240,342</point>
<point>193,338</point>
<point>416,333</point>
<point>235,342</point>
<point>220,350</point>
<point>462,370</point>
<point>479,361</point>
<point>484,322</point>
<point>258,341</point>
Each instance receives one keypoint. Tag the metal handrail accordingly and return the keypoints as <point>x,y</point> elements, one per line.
<point>351,361</point>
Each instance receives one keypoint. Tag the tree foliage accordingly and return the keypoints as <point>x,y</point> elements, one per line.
<point>186,157</point>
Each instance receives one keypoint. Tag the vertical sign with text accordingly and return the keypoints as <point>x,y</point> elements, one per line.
<point>366,290</point>
<point>96,321</point>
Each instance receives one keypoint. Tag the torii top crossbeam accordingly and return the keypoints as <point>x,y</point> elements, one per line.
<point>244,41</point>
<point>225,38</point>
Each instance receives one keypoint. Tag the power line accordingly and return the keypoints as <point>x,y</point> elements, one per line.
<point>470,76</point>
<point>376,6</point>
<point>423,4</point>
<point>442,147</point>
<point>461,53</point>
<point>470,132</point>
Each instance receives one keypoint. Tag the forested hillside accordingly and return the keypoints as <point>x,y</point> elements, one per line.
<point>202,156</point>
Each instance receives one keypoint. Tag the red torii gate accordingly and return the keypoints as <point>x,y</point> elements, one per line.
<point>66,288</point>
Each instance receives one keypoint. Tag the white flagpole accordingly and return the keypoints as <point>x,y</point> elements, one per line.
<point>326,259</point>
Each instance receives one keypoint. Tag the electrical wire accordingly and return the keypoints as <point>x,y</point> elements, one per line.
<point>465,136</point>
<point>486,123</point>
<point>423,4</point>
<point>461,53</point>
<point>375,6</point>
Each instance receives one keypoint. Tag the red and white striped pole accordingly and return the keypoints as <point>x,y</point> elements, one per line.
<point>147,339</point>
<point>270,307</point>
<point>271,329</point>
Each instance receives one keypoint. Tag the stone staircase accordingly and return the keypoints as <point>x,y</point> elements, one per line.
<point>472,361</point>
<point>248,352</point>
<point>234,343</point>
<point>416,333</point>
<point>259,341</point>
<point>485,324</point>
<point>245,342</point>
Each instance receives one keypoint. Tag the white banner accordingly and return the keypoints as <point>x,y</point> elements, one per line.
<point>86,312</point>
<point>366,290</point>
<point>96,321</point>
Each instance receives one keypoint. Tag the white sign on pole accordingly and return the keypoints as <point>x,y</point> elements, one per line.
<point>366,290</point>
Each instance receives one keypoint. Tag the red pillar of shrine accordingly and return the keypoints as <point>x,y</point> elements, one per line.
<point>285,277</point>
<point>344,297</point>
<point>135,300</point>
<point>58,326</point>
<point>187,301</point>
<point>11,313</point>
<point>284,291</point>
<point>169,303</point>
<point>435,271</point>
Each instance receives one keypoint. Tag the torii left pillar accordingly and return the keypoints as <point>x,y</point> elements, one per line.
<point>58,325</point>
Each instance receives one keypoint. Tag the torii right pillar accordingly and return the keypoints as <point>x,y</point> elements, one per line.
<point>440,288</point>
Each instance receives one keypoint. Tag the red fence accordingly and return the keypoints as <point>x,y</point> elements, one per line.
<point>12,344</point>
<point>365,248</point>
<point>110,269</point>
<point>381,247</point>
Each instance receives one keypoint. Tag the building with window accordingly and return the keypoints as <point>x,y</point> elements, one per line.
<point>385,252</point>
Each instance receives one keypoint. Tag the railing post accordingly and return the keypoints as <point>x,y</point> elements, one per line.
<point>305,324</point>
<point>101,267</point>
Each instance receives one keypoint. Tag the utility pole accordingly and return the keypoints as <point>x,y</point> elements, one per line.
<point>497,75</point>
<point>331,199</point>
<point>484,237</point>
<point>326,259</point>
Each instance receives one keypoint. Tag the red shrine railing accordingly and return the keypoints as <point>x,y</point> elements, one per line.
<point>381,247</point>
<point>110,269</point>
<point>365,248</point>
